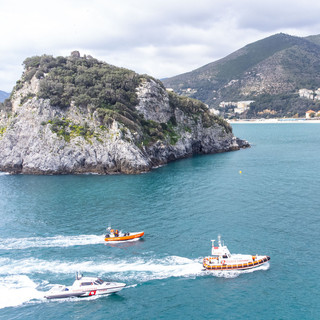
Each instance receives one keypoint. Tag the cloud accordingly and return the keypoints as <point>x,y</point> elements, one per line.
<point>161,38</point>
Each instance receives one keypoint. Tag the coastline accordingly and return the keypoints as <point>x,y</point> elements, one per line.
<point>277,120</point>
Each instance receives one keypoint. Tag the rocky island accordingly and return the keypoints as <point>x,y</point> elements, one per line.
<point>72,115</point>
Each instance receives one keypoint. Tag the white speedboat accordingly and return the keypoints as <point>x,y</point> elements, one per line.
<point>222,259</point>
<point>84,287</point>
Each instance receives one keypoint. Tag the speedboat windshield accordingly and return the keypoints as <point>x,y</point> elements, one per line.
<point>99,281</point>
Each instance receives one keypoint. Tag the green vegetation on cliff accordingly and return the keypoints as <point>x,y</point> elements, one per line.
<point>84,80</point>
<point>197,109</point>
<point>110,92</point>
<point>2,130</point>
<point>98,86</point>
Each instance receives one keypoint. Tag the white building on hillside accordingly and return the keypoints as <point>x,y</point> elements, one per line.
<point>317,94</point>
<point>305,93</point>
<point>242,106</point>
<point>224,104</point>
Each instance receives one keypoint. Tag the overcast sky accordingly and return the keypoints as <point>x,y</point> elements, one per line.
<point>162,38</point>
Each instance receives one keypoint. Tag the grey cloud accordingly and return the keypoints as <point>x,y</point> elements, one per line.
<point>162,38</point>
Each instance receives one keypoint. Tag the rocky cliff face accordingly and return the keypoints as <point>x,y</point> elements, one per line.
<point>38,137</point>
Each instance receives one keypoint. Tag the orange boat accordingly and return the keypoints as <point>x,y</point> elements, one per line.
<point>115,235</point>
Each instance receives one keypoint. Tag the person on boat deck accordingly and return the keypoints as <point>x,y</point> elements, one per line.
<point>116,233</point>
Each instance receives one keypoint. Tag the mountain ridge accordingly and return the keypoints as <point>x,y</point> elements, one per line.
<point>4,95</point>
<point>264,71</point>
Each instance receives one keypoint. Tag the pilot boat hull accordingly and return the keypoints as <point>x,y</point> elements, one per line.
<point>207,264</point>
<point>131,236</point>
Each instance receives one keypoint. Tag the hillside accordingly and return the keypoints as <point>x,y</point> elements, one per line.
<point>77,114</point>
<point>269,72</point>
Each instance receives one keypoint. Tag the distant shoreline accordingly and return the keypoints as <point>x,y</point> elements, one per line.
<point>281,121</point>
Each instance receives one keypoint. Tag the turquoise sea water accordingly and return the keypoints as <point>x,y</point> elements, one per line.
<point>53,226</point>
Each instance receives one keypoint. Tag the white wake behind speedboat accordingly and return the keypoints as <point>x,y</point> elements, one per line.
<point>84,287</point>
<point>222,259</point>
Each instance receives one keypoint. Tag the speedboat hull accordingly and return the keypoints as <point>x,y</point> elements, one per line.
<point>70,293</point>
<point>84,287</point>
<point>209,264</point>
<point>62,295</point>
<point>131,236</point>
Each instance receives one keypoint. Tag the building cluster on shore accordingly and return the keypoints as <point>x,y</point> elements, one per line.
<point>239,106</point>
<point>276,120</point>
<point>309,94</point>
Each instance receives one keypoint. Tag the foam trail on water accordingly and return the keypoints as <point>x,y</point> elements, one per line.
<point>46,242</point>
<point>141,269</point>
<point>135,269</point>
<point>16,290</point>
<point>16,287</point>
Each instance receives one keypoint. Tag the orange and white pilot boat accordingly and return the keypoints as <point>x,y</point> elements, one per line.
<point>222,259</point>
<point>115,235</point>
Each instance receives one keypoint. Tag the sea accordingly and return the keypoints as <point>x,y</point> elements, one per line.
<point>261,200</point>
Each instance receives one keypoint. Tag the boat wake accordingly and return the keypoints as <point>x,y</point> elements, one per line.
<point>135,269</point>
<point>16,286</point>
<point>16,290</point>
<point>46,242</point>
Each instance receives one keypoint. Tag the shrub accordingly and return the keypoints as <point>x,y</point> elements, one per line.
<point>2,130</point>
<point>30,95</point>
<point>66,129</point>
<point>83,80</point>
<point>108,90</point>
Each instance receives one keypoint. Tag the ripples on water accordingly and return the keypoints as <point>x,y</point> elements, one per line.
<point>53,226</point>
<point>16,286</point>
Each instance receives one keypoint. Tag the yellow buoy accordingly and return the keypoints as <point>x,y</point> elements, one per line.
<point>240,171</point>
